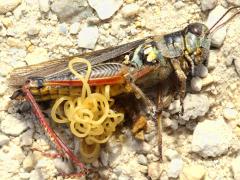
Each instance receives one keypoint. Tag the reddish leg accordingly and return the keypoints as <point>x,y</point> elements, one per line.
<point>59,143</point>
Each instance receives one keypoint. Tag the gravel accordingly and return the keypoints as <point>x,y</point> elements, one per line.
<point>105,8</point>
<point>44,5</point>
<point>193,172</point>
<point>9,5</point>
<point>130,10</point>
<point>10,125</point>
<point>88,37</point>
<point>195,105</point>
<point>229,114</point>
<point>196,84</point>
<point>175,168</point>
<point>4,139</point>
<point>211,138</point>
<point>208,4</point>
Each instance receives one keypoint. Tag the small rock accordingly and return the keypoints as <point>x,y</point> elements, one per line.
<point>29,162</point>
<point>146,148</point>
<point>3,139</point>
<point>193,172</point>
<point>74,28</point>
<point>230,114</point>
<point>207,80</point>
<point>130,10</point>
<point>167,122</point>
<point>237,65</point>
<point>26,138</point>
<point>63,28</point>
<point>36,175</point>
<point>175,107</point>
<point>195,105</point>
<point>129,1</point>
<point>235,166</point>
<point>63,166</point>
<point>105,8</point>
<point>208,4</point>
<point>142,159</point>
<point>196,84</point>
<point>87,37</point>
<point>33,30</point>
<point>154,170</point>
<point>12,126</point>
<point>44,5</point>
<point>104,156</point>
<point>211,138</point>
<point>4,69</point>
<point>139,124</point>
<point>171,154</point>
<point>13,42</point>
<point>9,5</point>
<point>219,35</point>
<point>201,71</point>
<point>175,168</point>
<point>212,61</point>
<point>24,175</point>
<point>70,9</point>
<point>179,4</point>
<point>38,55</point>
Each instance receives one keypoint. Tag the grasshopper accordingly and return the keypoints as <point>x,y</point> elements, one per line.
<point>140,64</point>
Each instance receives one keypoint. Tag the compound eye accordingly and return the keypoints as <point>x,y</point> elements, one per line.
<point>197,30</point>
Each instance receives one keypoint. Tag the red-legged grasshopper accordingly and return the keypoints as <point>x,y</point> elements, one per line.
<point>140,64</point>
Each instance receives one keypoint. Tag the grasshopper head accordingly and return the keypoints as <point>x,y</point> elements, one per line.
<point>197,42</point>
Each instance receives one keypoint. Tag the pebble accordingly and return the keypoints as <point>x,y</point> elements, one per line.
<point>38,55</point>
<point>8,5</point>
<point>207,80</point>
<point>105,8</point>
<point>154,170</point>
<point>130,10</point>
<point>88,37</point>
<point>167,122</point>
<point>29,162</point>
<point>36,175</point>
<point>146,148</point>
<point>219,35</point>
<point>196,84</point>
<point>33,30</point>
<point>230,114</point>
<point>211,138</point>
<point>201,71</point>
<point>212,61</point>
<point>63,28</point>
<point>175,168</point>
<point>44,5</point>
<point>175,107</point>
<point>195,105</point>
<point>171,154</point>
<point>10,125</point>
<point>26,138</point>
<point>14,42</point>
<point>63,166</point>
<point>70,10</point>
<point>237,65</point>
<point>74,28</point>
<point>193,172</point>
<point>208,4</point>
<point>142,159</point>
<point>235,166</point>
<point>3,139</point>
<point>104,156</point>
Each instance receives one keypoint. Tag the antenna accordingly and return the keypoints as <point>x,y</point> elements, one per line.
<point>230,9</point>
